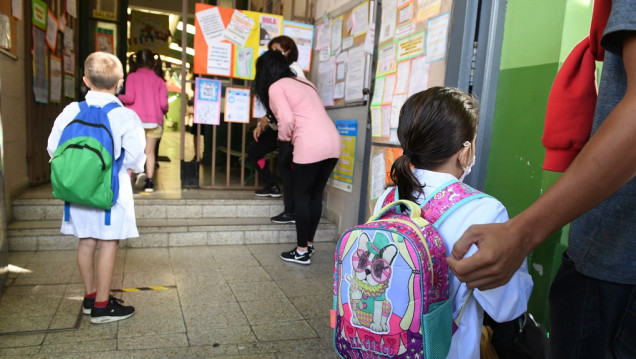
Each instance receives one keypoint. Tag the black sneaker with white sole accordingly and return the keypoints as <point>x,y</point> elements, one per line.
<point>269,191</point>
<point>87,305</point>
<point>293,256</point>
<point>284,217</point>
<point>113,312</point>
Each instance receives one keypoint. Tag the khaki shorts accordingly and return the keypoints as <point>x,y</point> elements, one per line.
<point>154,132</point>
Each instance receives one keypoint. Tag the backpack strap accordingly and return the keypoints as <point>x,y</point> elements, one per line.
<point>450,196</point>
<point>108,107</point>
<point>83,106</point>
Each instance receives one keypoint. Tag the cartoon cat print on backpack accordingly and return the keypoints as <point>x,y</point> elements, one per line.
<point>371,264</point>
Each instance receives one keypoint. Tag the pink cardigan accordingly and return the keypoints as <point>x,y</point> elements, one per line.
<point>146,94</point>
<point>302,119</point>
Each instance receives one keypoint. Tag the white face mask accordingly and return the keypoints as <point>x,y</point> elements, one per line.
<point>467,169</point>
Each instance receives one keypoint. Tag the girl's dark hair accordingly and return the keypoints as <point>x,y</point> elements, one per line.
<point>434,124</point>
<point>271,66</point>
<point>148,59</point>
<point>287,44</point>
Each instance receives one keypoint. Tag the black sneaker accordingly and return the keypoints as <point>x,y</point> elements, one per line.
<point>87,305</point>
<point>113,312</point>
<point>284,217</point>
<point>310,250</point>
<point>149,187</point>
<point>293,256</point>
<point>269,191</point>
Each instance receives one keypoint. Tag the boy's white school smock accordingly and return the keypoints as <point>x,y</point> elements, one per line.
<point>503,303</point>
<point>128,134</point>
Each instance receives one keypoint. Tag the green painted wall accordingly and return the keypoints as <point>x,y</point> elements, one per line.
<point>538,36</point>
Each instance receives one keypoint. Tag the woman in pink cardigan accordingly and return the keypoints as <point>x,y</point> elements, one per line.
<point>147,95</point>
<point>302,119</point>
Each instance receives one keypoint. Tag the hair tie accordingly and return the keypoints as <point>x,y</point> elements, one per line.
<point>408,153</point>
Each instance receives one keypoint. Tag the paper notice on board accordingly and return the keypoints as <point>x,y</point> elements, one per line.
<point>403,74</point>
<point>51,31</point>
<point>327,81</point>
<point>323,36</point>
<point>360,19</point>
<point>237,105</point>
<point>339,90</point>
<point>389,18</point>
<point>69,86</point>
<point>211,25</point>
<point>207,101</point>
<point>389,88</point>
<point>55,67</point>
<point>336,33</point>
<point>220,58</point>
<point>376,121</point>
<point>436,37</point>
<point>378,91</point>
<point>378,168</point>
<point>419,72</point>
<point>386,59</point>
<point>69,45</point>
<point>16,8</point>
<point>239,28</point>
<point>303,36</point>
<point>386,120</point>
<point>341,69</point>
<point>396,106</point>
<point>355,75</point>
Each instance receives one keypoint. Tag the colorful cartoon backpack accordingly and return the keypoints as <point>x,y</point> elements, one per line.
<point>391,297</point>
<point>83,168</point>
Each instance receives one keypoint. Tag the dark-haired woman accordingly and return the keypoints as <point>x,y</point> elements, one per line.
<point>147,95</point>
<point>303,121</point>
<point>266,141</point>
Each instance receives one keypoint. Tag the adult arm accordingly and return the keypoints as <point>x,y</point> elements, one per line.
<point>605,164</point>
<point>282,110</point>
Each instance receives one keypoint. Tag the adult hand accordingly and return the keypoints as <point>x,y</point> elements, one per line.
<point>260,127</point>
<point>501,251</point>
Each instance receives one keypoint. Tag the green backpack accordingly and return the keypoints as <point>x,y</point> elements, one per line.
<point>83,168</point>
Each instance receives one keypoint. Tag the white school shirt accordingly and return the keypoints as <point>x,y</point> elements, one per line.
<point>88,222</point>
<point>503,303</point>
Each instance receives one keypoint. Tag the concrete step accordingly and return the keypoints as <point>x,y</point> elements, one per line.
<point>224,220</point>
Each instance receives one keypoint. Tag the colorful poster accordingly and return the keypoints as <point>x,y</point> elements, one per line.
<point>270,27</point>
<point>237,105</point>
<point>427,9</point>
<point>149,31</point>
<point>51,31</point>
<point>411,46</point>
<point>342,177</point>
<point>39,13</point>
<point>303,36</point>
<point>239,28</point>
<point>40,66</point>
<point>436,37</point>
<point>227,42</point>
<point>104,40</point>
<point>207,101</point>
<point>55,80</point>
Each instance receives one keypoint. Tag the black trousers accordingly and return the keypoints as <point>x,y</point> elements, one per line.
<point>268,142</point>
<point>309,184</point>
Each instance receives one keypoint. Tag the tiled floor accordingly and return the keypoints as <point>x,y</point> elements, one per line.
<point>219,302</point>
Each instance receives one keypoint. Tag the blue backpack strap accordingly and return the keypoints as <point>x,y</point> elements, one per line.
<point>107,217</point>
<point>67,211</point>
<point>107,108</point>
<point>83,106</point>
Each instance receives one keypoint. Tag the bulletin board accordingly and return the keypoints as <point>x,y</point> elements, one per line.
<point>5,12</point>
<point>228,41</point>
<point>412,49</point>
<point>344,39</point>
<point>411,57</point>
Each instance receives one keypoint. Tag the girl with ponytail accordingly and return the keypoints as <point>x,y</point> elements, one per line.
<point>147,95</point>
<point>437,130</point>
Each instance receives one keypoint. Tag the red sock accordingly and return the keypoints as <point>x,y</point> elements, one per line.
<point>91,296</point>
<point>101,304</point>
